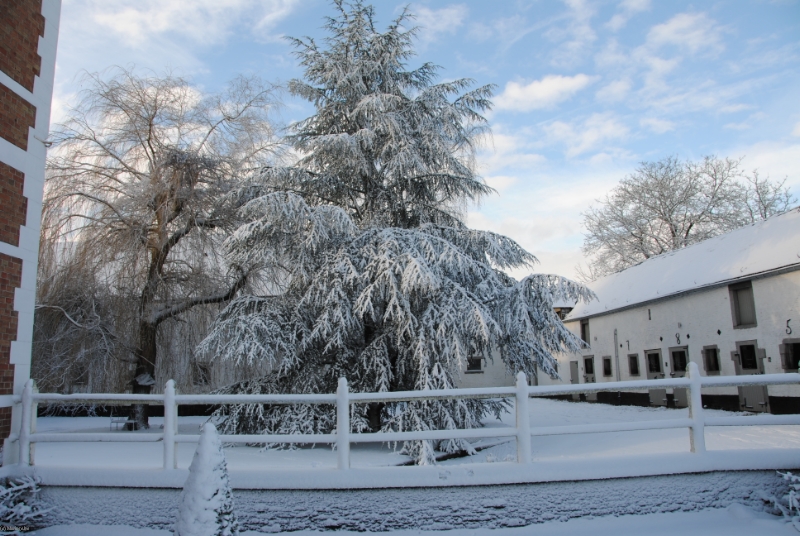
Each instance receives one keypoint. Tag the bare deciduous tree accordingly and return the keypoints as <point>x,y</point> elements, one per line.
<point>670,204</point>
<point>138,200</point>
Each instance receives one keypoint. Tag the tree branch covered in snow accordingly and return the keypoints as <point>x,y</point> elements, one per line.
<point>789,504</point>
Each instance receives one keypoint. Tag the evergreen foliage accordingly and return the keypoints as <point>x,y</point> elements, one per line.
<point>206,502</point>
<point>372,274</point>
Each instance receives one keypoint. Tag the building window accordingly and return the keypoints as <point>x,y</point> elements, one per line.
<point>585,330</point>
<point>202,374</point>
<point>562,312</point>
<point>475,365</point>
<point>679,361</point>
<point>747,354</point>
<point>790,351</point>
<point>588,365</point>
<point>607,366</point>
<point>654,362</point>
<point>711,360</point>
<point>633,364</point>
<point>743,305</point>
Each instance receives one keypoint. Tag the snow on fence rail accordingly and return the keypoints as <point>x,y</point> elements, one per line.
<point>342,437</point>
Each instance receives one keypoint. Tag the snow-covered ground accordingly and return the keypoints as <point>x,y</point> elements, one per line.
<point>543,412</point>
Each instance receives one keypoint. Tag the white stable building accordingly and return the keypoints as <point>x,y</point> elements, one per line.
<point>731,304</point>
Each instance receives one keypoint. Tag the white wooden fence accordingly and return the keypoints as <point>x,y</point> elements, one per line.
<point>343,438</point>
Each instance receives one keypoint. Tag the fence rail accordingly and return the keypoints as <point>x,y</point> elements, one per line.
<point>342,399</point>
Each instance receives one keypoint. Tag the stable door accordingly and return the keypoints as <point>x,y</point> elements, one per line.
<point>574,377</point>
<point>589,375</point>
<point>658,397</point>
<point>680,360</point>
<point>749,360</point>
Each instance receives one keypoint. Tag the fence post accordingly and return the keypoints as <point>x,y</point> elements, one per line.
<point>170,426</point>
<point>343,425</point>
<point>523,420</point>
<point>34,420</point>
<point>25,424</point>
<point>697,433</point>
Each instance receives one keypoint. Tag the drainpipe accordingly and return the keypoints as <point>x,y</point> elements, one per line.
<point>616,362</point>
<point>616,353</point>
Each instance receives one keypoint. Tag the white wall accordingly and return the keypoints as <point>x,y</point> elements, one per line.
<point>695,318</point>
<point>493,374</point>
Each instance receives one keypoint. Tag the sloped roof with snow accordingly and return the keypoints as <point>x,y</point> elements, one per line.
<point>767,246</point>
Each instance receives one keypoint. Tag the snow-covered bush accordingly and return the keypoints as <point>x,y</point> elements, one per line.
<point>789,505</point>
<point>206,502</point>
<point>20,504</point>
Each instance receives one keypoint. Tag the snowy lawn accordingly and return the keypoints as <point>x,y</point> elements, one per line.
<point>736,520</point>
<point>543,412</point>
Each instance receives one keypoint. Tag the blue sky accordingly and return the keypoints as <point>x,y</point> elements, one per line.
<point>585,89</point>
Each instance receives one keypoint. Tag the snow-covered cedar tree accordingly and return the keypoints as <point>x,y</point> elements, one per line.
<point>20,504</point>
<point>371,273</point>
<point>206,502</point>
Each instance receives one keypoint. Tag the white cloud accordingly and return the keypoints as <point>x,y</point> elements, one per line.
<point>544,213</point>
<point>695,32</point>
<point>576,38</point>
<point>540,94</point>
<point>203,22</point>
<point>659,126</point>
<point>772,159</point>
<point>541,234</point>
<point>501,182</point>
<point>592,133</point>
<point>507,151</point>
<point>615,91</point>
<point>796,130</point>
<point>626,10</point>
<point>733,108</point>
<point>744,125</point>
<point>504,31</point>
<point>612,56</point>
<point>434,23</point>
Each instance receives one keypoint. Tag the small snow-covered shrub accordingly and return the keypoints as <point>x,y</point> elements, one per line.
<point>789,505</point>
<point>20,505</point>
<point>206,502</point>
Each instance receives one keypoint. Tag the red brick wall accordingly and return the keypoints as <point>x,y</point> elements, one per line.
<point>10,279</point>
<point>13,205</point>
<point>21,24</point>
<point>16,115</point>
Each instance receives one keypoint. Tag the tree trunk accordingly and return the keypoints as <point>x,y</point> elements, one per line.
<point>144,377</point>
<point>374,416</point>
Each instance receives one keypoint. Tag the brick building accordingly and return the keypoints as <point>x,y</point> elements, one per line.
<point>28,36</point>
